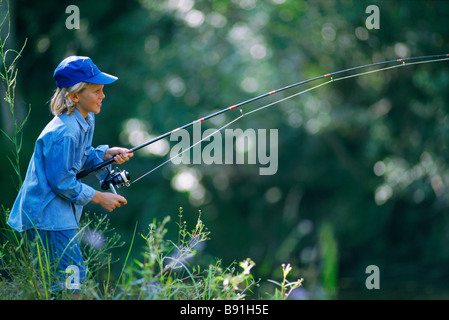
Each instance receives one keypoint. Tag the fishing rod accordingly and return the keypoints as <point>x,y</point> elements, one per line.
<point>120,178</point>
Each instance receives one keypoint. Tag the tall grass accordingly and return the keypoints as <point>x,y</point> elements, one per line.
<point>8,76</point>
<point>28,274</point>
<point>165,271</point>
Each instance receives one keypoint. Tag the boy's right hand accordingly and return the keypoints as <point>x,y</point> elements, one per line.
<point>109,201</point>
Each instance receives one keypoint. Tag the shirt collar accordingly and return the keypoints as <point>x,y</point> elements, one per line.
<point>84,123</point>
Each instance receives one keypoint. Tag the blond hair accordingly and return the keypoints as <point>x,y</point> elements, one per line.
<point>61,102</point>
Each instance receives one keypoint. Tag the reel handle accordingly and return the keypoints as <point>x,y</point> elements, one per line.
<point>111,186</point>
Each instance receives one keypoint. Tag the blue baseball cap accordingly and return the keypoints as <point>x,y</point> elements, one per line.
<point>76,69</point>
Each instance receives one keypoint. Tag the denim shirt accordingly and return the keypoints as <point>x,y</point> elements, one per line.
<point>51,198</point>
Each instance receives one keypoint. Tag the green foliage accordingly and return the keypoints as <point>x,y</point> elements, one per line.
<point>329,259</point>
<point>24,276</point>
<point>8,76</point>
<point>362,173</point>
<point>163,273</point>
<point>285,287</point>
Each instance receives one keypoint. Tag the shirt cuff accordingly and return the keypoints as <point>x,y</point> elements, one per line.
<point>99,156</point>
<point>100,152</point>
<point>86,195</point>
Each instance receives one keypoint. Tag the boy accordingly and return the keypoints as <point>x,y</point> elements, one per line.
<point>50,202</point>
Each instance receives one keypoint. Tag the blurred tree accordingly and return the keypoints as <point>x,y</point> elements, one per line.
<point>365,156</point>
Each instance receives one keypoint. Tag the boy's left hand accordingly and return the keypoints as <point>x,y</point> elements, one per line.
<point>120,155</point>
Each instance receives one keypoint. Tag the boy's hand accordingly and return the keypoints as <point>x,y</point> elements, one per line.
<point>120,155</point>
<point>108,201</point>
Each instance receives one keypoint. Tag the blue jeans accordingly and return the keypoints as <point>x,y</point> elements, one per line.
<point>61,249</point>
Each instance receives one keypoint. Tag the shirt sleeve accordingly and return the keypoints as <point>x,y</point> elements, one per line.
<point>61,168</point>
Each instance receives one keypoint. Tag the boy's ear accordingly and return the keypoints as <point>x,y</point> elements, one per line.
<point>75,98</point>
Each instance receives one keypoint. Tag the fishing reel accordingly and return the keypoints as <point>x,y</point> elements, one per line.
<point>117,178</point>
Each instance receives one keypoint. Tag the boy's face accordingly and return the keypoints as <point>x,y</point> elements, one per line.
<point>89,99</point>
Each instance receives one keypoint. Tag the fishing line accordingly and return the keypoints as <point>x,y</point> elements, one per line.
<point>228,124</point>
<point>190,147</point>
<point>332,79</point>
<point>105,163</point>
<point>120,178</point>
